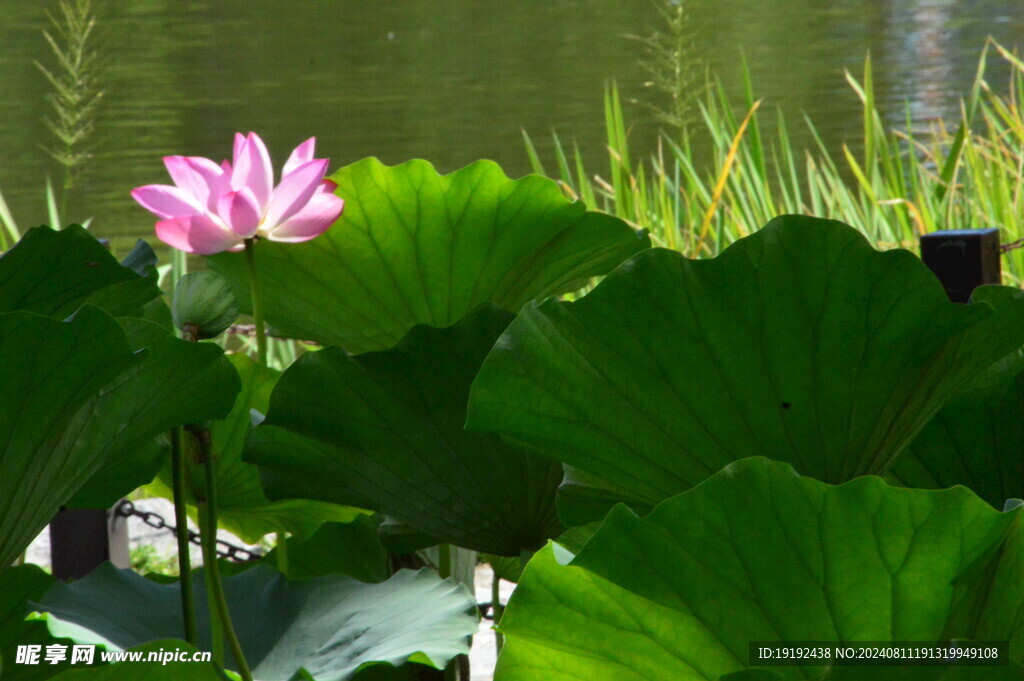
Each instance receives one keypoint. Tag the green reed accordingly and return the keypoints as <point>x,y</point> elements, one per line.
<point>901,183</point>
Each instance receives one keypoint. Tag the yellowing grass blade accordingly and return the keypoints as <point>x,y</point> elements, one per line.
<point>723,177</point>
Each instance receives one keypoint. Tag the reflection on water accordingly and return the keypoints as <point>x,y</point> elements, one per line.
<point>930,45</point>
<point>450,81</point>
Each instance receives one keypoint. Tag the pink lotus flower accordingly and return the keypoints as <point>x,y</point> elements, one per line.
<point>214,208</point>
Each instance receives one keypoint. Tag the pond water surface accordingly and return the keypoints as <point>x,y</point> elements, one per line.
<point>450,81</point>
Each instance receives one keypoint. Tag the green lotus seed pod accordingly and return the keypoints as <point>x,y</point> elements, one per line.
<point>203,304</point>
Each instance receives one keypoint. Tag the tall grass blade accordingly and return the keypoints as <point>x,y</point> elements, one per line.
<point>10,233</point>
<point>51,206</point>
<point>531,152</point>
<point>953,159</point>
<point>723,177</point>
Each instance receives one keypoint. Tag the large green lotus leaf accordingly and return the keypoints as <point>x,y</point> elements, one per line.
<point>400,539</point>
<point>760,553</point>
<point>55,272</point>
<point>242,506</point>
<point>351,548</point>
<point>585,499</point>
<point>416,247</point>
<point>330,626</point>
<point>385,431</point>
<point>178,382</point>
<point>137,297</point>
<point>18,586</point>
<point>55,377</point>
<point>509,568</point>
<point>754,675</point>
<point>976,440</point>
<point>800,343</point>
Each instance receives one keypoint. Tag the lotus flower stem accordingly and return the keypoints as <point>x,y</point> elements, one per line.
<point>188,606</point>
<point>261,356</point>
<point>257,304</point>
<point>216,629</point>
<point>444,561</point>
<point>179,267</point>
<point>215,588</point>
<point>444,571</point>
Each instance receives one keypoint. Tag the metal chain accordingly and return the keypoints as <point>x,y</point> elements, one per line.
<point>1013,245</point>
<point>126,509</point>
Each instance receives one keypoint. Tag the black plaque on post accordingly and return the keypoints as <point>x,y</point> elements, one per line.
<point>962,259</point>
